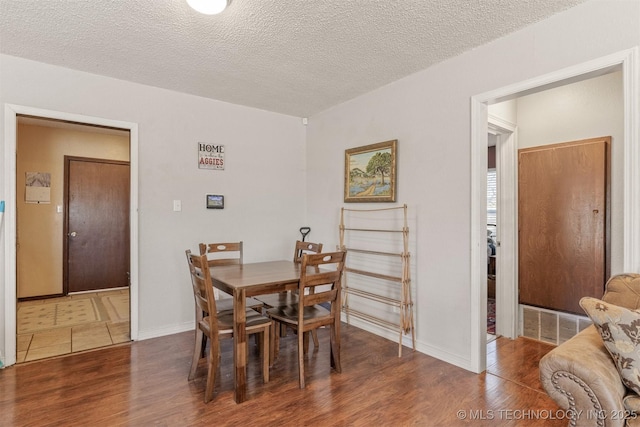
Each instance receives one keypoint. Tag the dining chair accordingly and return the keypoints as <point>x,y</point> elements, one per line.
<point>324,270</point>
<point>302,248</point>
<point>284,299</point>
<point>222,253</point>
<point>213,326</point>
<point>219,254</point>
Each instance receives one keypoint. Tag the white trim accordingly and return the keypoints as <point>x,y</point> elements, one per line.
<point>9,227</point>
<point>628,61</point>
<point>479,144</point>
<point>167,330</point>
<point>421,347</point>
<point>507,219</point>
<point>631,221</point>
<point>497,126</point>
<point>10,145</point>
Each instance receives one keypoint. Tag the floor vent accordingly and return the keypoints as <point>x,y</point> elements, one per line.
<point>550,326</point>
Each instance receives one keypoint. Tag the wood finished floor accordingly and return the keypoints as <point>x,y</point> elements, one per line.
<point>145,383</point>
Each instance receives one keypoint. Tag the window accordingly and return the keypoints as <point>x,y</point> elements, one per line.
<point>492,197</point>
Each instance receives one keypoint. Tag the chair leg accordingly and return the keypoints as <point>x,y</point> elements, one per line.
<point>301,357</point>
<point>204,346</point>
<point>214,350</point>
<point>197,352</point>
<point>265,338</point>
<point>274,342</point>
<point>314,335</point>
<point>335,349</point>
<point>305,342</point>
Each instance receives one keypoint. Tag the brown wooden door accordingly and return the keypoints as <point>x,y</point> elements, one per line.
<point>97,224</point>
<point>563,220</point>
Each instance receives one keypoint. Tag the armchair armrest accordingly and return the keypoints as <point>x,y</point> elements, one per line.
<point>580,376</point>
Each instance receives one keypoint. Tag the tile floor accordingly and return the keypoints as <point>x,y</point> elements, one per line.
<point>56,326</point>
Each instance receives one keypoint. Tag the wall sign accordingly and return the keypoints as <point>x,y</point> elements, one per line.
<point>37,187</point>
<point>210,156</point>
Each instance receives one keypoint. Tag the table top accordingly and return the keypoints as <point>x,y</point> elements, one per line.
<point>256,275</point>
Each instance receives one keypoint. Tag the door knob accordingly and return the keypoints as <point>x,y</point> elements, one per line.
<point>73,234</point>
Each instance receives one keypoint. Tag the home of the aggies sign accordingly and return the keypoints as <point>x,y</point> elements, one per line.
<point>210,156</point>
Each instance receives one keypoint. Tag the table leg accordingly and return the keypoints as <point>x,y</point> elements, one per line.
<point>240,345</point>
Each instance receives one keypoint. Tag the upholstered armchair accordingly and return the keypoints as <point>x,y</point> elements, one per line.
<point>581,376</point>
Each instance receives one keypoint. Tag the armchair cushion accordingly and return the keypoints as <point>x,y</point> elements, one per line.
<point>619,328</point>
<point>632,403</point>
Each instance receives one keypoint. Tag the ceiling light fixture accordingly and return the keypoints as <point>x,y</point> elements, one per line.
<point>208,7</point>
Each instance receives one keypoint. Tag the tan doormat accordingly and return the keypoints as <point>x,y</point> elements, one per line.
<point>34,318</point>
<point>117,307</point>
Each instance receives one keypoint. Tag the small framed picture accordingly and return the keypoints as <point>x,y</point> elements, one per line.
<point>370,173</point>
<point>215,201</point>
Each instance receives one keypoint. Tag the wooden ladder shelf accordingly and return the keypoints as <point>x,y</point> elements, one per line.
<point>400,284</point>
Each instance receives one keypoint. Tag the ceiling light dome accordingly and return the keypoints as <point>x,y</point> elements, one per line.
<point>208,7</point>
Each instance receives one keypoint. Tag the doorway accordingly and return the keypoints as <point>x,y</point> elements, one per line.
<point>92,196</point>
<point>492,243</point>
<point>12,112</point>
<point>503,137</point>
<point>626,62</point>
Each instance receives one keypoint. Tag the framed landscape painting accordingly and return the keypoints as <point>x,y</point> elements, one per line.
<point>370,173</point>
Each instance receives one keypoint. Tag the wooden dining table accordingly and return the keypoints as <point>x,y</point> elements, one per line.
<point>246,280</point>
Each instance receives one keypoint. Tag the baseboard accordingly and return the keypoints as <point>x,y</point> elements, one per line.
<point>429,350</point>
<point>168,330</point>
<point>422,347</point>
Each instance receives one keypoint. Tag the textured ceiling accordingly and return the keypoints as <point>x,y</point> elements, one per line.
<point>296,57</point>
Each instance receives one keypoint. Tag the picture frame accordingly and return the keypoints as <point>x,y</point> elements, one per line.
<point>215,201</point>
<point>370,173</point>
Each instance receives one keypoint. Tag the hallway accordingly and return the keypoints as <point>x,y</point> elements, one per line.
<point>71,324</point>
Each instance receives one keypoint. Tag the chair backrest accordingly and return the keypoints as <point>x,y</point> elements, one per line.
<point>222,253</point>
<point>202,289</point>
<point>324,269</point>
<point>305,248</point>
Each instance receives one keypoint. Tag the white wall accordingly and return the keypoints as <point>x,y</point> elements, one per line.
<point>429,114</point>
<point>263,182</point>
<point>507,111</point>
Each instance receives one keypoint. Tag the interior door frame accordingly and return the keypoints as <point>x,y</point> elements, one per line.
<point>506,226</point>
<point>10,146</point>
<point>627,62</point>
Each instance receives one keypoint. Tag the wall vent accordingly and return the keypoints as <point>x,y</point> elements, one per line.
<point>550,326</point>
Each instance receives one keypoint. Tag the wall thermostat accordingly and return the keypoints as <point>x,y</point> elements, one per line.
<point>215,201</point>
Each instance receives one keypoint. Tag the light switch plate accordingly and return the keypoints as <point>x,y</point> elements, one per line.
<point>177,205</point>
